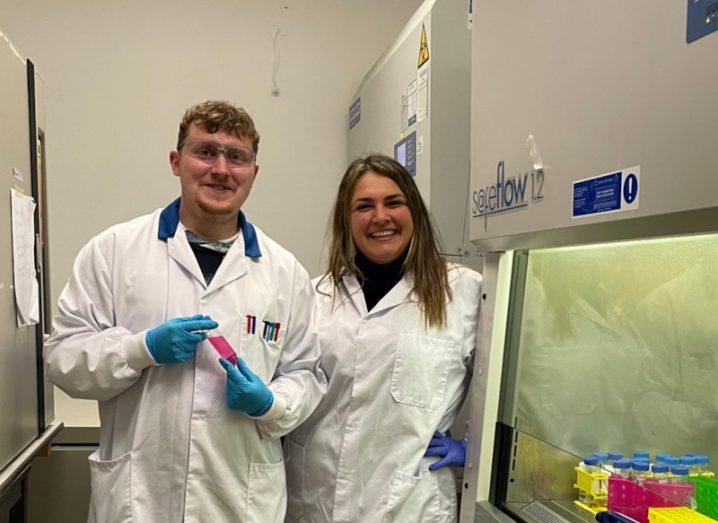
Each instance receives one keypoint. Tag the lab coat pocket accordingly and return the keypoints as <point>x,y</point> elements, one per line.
<point>294,462</point>
<point>111,484</point>
<point>421,370</point>
<point>267,493</point>
<point>413,498</point>
<point>261,355</point>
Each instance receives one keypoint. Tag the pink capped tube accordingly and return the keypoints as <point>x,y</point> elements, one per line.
<point>222,346</point>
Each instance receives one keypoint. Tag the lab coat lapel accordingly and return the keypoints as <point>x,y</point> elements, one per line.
<point>400,293</point>
<point>233,266</point>
<point>351,284</point>
<point>179,250</point>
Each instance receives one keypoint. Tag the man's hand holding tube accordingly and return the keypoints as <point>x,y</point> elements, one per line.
<point>176,340</point>
<point>246,392</point>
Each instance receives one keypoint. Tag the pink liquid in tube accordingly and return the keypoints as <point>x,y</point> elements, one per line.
<point>222,347</point>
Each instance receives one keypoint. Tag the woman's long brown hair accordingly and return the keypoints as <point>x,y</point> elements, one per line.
<point>424,266</point>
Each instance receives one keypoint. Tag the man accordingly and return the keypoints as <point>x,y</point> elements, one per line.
<point>185,436</point>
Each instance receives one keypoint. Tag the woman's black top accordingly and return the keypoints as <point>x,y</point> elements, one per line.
<point>378,279</point>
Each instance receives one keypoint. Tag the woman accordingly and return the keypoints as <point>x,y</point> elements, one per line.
<point>397,328</point>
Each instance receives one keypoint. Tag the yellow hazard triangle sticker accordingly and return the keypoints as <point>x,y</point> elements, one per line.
<point>424,49</point>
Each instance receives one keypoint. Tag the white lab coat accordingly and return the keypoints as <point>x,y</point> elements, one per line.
<point>392,383</point>
<point>170,448</point>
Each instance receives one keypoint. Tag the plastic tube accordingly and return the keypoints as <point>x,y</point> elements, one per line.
<point>661,458</point>
<point>690,462</point>
<point>222,346</point>
<point>679,474</point>
<point>639,470</point>
<point>660,472</point>
<point>702,463</point>
<point>622,468</point>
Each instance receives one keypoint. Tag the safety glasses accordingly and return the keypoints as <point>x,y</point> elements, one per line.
<point>208,152</point>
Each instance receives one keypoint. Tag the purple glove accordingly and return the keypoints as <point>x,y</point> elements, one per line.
<point>452,452</point>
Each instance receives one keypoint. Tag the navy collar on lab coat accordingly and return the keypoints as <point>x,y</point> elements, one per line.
<point>169,219</point>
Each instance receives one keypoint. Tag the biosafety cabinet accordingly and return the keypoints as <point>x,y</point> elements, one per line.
<point>594,196</point>
<point>413,105</point>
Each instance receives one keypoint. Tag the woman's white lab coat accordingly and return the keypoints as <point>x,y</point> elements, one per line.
<point>392,383</point>
<point>170,448</point>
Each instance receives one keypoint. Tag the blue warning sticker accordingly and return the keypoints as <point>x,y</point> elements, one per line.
<point>612,192</point>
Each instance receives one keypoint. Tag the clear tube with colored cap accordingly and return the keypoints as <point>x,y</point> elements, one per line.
<point>702,463</point>
<point>661,458</point>
<point>639,470</point>
<point>611,459</point>
<point>660,472</point>
<point>690,462</point>
<point>622,468</point>
<point>679,474</point>
<point>222,346</point>
<point>602,458</point>
<point>590,465</point>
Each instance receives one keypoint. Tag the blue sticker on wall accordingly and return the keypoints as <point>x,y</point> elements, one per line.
<point>613,192</point>
<point>405,153</point>
<point>701,19</point>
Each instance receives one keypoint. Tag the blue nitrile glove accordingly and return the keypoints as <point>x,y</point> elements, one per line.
<point>246,392</point>
<point>452,452</point>
<point>174,341</point>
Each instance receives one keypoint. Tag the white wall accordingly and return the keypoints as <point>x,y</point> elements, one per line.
<point>120,74</point>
